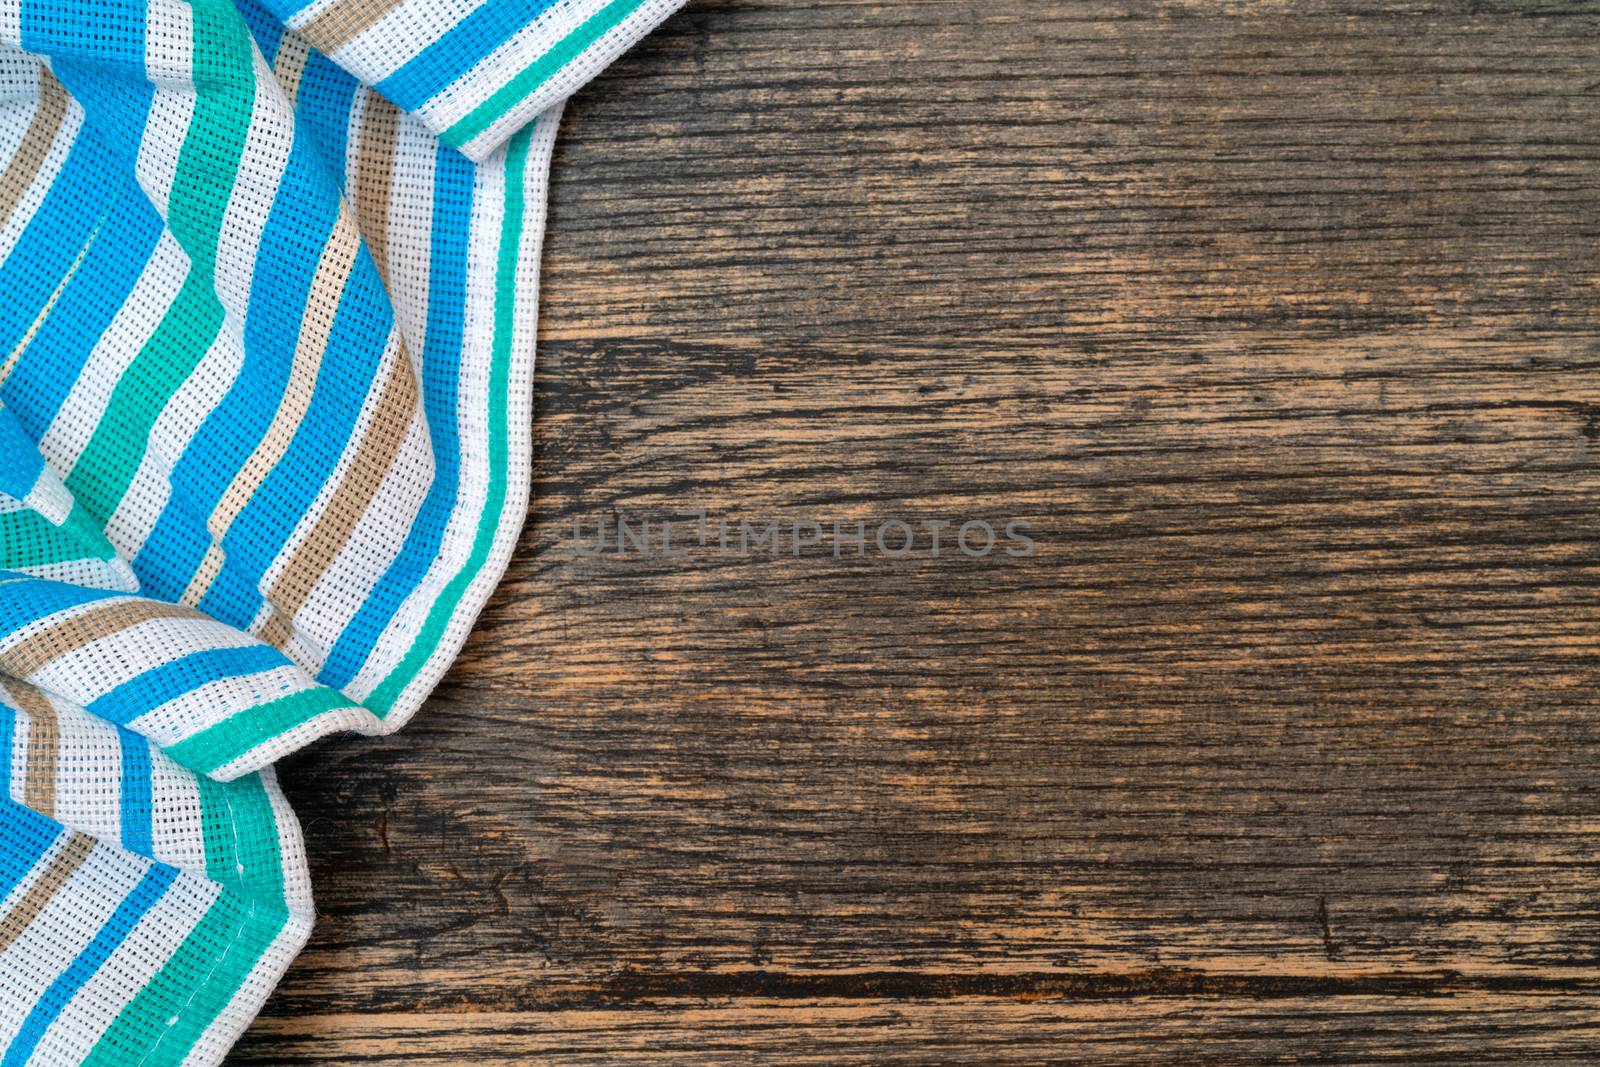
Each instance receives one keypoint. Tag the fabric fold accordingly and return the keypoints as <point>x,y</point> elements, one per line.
<point>474,74</point>
<point>213,698</point>
<point>268,288</point>
<point>48,534</point>
<point>142,925</point>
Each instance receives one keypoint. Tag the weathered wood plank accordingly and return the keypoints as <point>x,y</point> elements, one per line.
<point>1345,1031</point>
<point>1279,324</point>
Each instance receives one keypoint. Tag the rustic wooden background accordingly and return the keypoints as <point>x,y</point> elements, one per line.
<point>1281,323</point>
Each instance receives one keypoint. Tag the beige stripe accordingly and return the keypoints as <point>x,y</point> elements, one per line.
<point>204,575</point>
<point>341,20</point>
<point>374,179</point>
<point>289,65</point>
<point>24,165</point>
<point>380,121</point>
<point>275,631</point>
<point>49,882</point>
<point>44,745</point>
<point>30,655</point>
<point>386,432</point>
<point>316,324</point>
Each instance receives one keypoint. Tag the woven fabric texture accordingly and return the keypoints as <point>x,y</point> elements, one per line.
<point>268,278</point>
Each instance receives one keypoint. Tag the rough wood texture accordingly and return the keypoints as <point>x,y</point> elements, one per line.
<point>1279,322</point>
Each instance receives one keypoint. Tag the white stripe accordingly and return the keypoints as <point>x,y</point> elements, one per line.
<point>411,245</point>
<point>169,44</point>
<point>11,23</point>
<point>130,967</point>
<point>255,188</point>
<point>111,575</point>
<point>50,498</point>
<point>291,848</point>
<point>90,763</point>
<point>20,75</point>
<point>177,830</point>
<point>64,928</point>
<point>130,525</point>
<point>373,545</point>
<point>91,671</point>
<point>477,346</point>
<point>218,701</point>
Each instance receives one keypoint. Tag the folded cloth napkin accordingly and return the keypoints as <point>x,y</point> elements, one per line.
<point>268,274</point>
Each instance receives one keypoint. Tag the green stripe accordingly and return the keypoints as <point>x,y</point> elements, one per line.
<point>27,539</point>
<point>89,532</point>
<point>388,691</point>
<point>524,84</point>
<point>208,168</point>
<point>105,470</point>
<point>199,980</point>
<point>240,830</point>
<point>233,737</point>
<point>195,986</point>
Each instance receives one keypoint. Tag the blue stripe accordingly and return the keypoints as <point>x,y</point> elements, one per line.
<point>51,242</point>
<point>326,98</point>
<point>354,353</point>
<point>54,361</point>
<point>453,182</point>
<point>298,226</point>
<point>466,45</point>
<point>171,680</point>
<point>264,27</point>
<point>80,970</point>
<point>110,32</point>
<point>115,108</point>
<point>31,599</point>
<point>95,188</point>
<point>138,802</point>
<point>8,735</point>
<point>287,9</point>
<point>25,836</point>
<point>20,462</point>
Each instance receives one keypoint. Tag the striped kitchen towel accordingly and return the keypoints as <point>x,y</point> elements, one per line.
<point>268,273</point>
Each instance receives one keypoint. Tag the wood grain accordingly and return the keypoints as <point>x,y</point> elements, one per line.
<point>1278,322</point>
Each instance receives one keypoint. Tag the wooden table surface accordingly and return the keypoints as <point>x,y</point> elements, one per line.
<point>1279,322</point>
